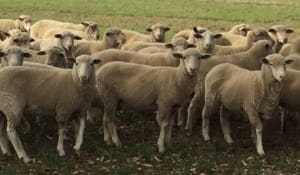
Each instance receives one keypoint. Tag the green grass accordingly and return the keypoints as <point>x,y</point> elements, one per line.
<point>138,133</point>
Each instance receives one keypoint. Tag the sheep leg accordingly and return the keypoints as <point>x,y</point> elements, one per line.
<point>258,129</point>
<point>4,138</point>
<point>224,114</point>
<point>253,134</point>
<point>170,127</point>
<point>79,138</point>
<point>195,107</point>
<point>283,113</point>
<point>110,129</point>
<point>205,123</point>
<point>61,135</point>
<point>76,125</point>
<point>14,139</point>
<point>162,120</point>
<point>182,114</point>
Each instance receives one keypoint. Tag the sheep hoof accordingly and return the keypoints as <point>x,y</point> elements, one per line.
<point>261,153</point>
<point>61,153</point>
<point>27,160</point>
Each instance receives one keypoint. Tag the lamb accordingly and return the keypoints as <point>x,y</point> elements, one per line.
<point>232,37</point>
<point>279,33</point>
<point>206,42</point>
<point>65,40</point>
<point>113,38</point>
<point>158,32</point>
<point>247,60</point>
<point>140,87</point>
<point>76,88</point>
<point>17,38</point>
<point>23,23</point>
<point>40,27</point>
<point>189,34</point>
<point>256,93</point>
<point>291,48</point>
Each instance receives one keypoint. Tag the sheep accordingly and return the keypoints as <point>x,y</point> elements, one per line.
<point>23,23</point>
<point>54,56</point>
<point>236,33</point>
<point>76,88</point>
<point>206,42</point>
<point>113,38</point>
<point>65,40</point>
<point>248,60</point>
<point>279,33</point>
<point>40,27</point>
<point>157,30</point>
<point>143,87</point>
<point>291,48</point>
<point>189,34</point>
<point>17,38</point>
<point>256,94</point>
<point>13,56</point>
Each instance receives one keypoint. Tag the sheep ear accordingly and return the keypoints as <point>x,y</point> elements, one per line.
<point>76,37</point>
<point>218,35</point>
<point>271,30</point>
<point>289,61</point>
<point>191,46</point>
<point>6,34</point>
<point>58,35</point>
<point>71,60</point>
<point>204,56</point>
<point>26,54</point>
<point>149,30</point>
<point>178,55</point>
<point>289,31</point>
<point>169,45</point>
<point>41,53</point>
<point>16,40</point>
<point>85,23</point>
<point>195,29</point>
<point>31,40</point>
<point>96,61</point>
<point>244,29</point>
<point>198,35</point>
<point>167,28</point>
<point>21,19</point>
<point>264,60</point>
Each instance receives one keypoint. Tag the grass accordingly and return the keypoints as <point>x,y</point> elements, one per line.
<point>139,132</point>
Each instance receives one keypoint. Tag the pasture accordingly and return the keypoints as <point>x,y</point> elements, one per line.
<point>138,131</point>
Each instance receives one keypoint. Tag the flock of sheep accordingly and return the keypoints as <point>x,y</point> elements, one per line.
<point>60,69</point>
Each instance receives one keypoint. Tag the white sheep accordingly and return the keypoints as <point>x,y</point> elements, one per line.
<point>13,56</point>
<point>23,23</point>
<point>40,27</point>
<point>17,38</point>
<point>75,87</point>
<point>291,48</point>
<point>189,34</point>
<point>236,90</point>
<point>158,32</point>
<point>249,59</point>
<point>113,38</point>
<point>232,37</point>
<point>144,87</point>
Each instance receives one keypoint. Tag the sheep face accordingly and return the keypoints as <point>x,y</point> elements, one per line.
<point>277,63</point>
<point>158,32</point>
<point>179,45</point>
<point>91,28</point>
<point>84,68</point>
<point>207,40</point>
<point>56,56</point>
<point>13,56</point>
<point>21,39</point>
<point>66,40</point>
<point>25,23</point>
<point>190,59</point>
<point>280,33</point>
<point>259,34</point>
<point>115,37</point>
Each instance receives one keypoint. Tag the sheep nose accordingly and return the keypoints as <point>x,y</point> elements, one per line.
<point>83,77</point>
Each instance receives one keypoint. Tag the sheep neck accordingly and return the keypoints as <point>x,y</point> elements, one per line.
<point>268,100</point>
